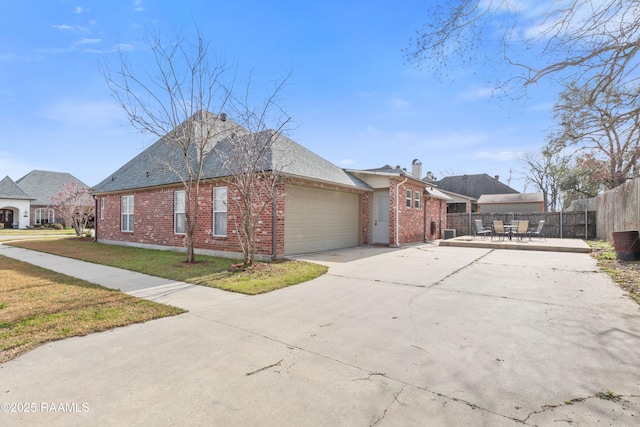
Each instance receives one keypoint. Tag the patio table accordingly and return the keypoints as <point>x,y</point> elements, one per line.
<point>510,229</point>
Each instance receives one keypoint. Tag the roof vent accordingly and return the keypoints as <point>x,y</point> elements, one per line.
<point>497,177</point>
<point>223,117</point>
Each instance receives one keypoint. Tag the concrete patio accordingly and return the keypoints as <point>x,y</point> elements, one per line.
<point>535,244</point>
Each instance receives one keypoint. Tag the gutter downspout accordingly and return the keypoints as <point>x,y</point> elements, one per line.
<point>96,215</point>
<point>396,243</point>
<point>274,228</point>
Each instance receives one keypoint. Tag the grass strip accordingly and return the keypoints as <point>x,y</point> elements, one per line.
<point>38,306</point>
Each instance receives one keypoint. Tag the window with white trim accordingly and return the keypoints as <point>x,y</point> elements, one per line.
<point>101,207</point>
<point>45,216</point>
<point>126,209</point>
<point>416,199</point>
<point>179,212</point>
<point>409,200</point>
<point>220,211</point>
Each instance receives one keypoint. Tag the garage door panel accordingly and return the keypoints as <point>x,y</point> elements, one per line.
<point>317,220</point>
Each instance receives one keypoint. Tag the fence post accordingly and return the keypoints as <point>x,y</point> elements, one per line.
<point>561,224</point>
<point>586,223</point>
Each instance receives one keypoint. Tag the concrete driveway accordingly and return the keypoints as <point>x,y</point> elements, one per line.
<point>422,335</point>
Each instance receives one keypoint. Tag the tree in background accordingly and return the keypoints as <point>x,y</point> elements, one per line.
<point>584,179</point>
<point>589,47</point>
<point>594,43</point>
<point>606,126</point>
<point>74,204</point>
<point>546,171</point>
<point>185,100</point>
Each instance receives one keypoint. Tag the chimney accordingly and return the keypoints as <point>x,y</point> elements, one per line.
<point>416,168</point>
<point>497,177</point>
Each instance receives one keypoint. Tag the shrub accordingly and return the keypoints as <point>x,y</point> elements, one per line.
<point>1,225</point>
<point>57,226</point>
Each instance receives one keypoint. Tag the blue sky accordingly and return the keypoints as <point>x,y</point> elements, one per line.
<point>351,97</point>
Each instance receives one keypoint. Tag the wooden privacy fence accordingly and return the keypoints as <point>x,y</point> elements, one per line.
<point>568,225</point>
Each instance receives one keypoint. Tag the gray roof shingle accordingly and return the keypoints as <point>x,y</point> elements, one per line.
<point>511,198</point>
<point>43,185</point>
<point>10,190</point>
<point>163,163</point>
<point>474,185</point>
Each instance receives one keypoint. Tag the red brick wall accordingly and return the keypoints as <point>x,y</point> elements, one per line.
<point>437,214</point>
<point>411,219</point>
<point>154,221</point>
<point>366,199</point>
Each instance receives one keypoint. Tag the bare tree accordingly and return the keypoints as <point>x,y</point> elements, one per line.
<point>250,163</point>
<point>606,125</point>
<point>594,42</point>
<point>546,171</point>
<point>175,101</point>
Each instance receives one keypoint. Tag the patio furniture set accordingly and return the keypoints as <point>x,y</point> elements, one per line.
<point>517,229</point>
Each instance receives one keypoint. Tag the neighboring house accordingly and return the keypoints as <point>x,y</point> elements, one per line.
<point>42,186</point>
<point>460,203</point>
<point>27,201</point>
<point>14,205</point>
<point>319,206</point>
<point>501,203</point>
<point>469,188</point>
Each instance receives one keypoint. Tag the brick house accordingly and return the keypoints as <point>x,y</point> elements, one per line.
<point>319,206</point>
<point>28,201</point>
<point>405,208</point>
<point>42,186</point>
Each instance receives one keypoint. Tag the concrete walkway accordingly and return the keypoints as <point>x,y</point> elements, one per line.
<point>421,335</point>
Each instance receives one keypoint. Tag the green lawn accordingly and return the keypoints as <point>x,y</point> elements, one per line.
<point>38,306</point>
<point>206,271</point>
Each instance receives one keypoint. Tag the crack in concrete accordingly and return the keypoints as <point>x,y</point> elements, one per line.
<point>369,372</point>
<point>547,408</point>
<point>384,414</point>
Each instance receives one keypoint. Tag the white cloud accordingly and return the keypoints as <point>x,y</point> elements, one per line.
<point>15,167</point>
<point>399,103</point>
<point>84,113</point>
<point>500,156</point>
<point>138,7</point>
<point>87,41</point>
<point>477,93</point>
<point>123,46</point>
<point>81,10</point>
<point>76,28</point>
<point>63,27</point>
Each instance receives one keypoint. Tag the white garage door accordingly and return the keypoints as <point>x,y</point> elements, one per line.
<point>319,220</point>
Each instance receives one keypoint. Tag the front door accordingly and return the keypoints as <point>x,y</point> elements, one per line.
<point>381,219</point>
<point>6,217</point>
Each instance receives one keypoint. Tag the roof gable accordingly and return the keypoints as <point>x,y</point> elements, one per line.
<point>474,185</point>
<point>10,190</point>
<point>43,185</point>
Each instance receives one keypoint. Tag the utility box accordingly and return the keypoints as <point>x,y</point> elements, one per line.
<point>449,233</point>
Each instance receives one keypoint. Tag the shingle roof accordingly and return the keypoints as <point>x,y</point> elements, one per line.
<point>474,185</point>
<point>162,163</point>
<point>510,198</point>
<point>42,185</point>
<point>10,190</point>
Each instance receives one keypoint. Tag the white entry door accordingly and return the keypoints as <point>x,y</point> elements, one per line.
<point>381,219</point>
